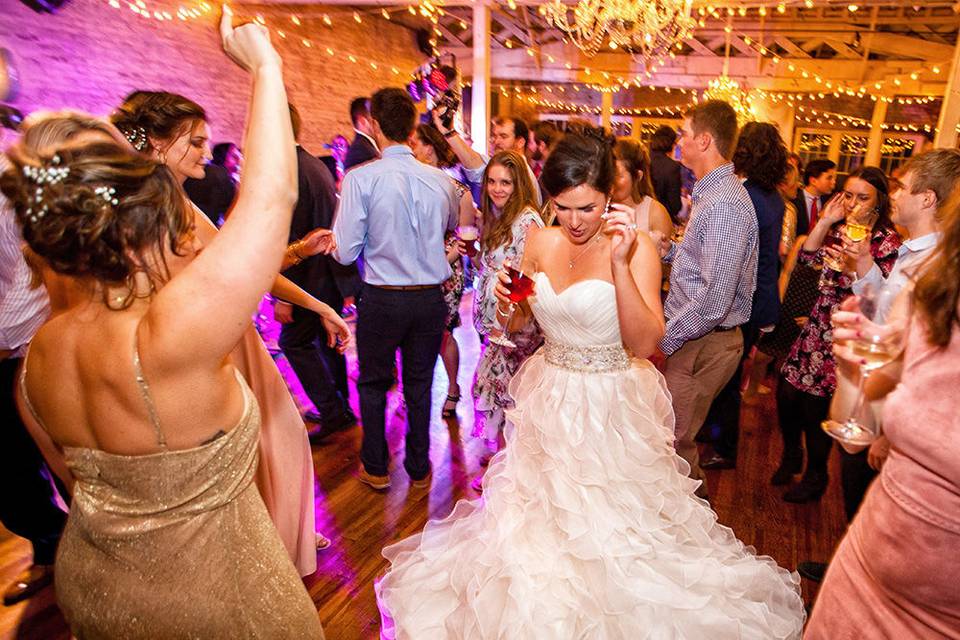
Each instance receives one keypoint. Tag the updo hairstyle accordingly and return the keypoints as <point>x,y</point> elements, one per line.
<point>156,115</point>
<point>580,158</point>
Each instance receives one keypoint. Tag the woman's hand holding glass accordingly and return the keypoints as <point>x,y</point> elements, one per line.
<point>867,336</point>
<point>512,287</point>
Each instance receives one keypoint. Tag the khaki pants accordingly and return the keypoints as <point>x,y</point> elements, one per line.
<point>695,374</point>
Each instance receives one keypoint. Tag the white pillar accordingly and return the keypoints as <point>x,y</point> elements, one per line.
<point>606,109</point>
<point>950,109</point>
<point>480,116</point>
<point>875,141</point>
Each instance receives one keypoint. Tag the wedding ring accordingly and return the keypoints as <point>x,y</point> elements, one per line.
<point>633,226</point>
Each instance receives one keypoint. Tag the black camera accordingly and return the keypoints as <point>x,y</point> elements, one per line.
<point>451,102</point>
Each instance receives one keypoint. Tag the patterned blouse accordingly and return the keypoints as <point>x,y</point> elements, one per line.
<point>810,366</point>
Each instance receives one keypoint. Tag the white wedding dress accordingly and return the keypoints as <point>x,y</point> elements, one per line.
<point>588,527</point>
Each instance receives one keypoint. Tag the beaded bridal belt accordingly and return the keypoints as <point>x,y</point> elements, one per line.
<point>593,359</point>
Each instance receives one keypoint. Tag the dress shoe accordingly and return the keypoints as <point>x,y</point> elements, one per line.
<point>374,482</point>
<point>812,571</point>
<point>28,583</point>
<point>716,462</point>
<point>789,467</point>
<point>806,491</point>
<point>330,426</point>
<point>422,483</point>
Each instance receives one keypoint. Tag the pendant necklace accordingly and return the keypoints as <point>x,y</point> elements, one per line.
<point>592,241</point>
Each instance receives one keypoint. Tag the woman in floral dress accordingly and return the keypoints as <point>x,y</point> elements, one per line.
<point>508,206</point>
<point>808,377</point>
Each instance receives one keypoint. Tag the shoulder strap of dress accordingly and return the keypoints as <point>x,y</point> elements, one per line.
<point>23,391</point>
<point>643,214</point>
<point>145,390</point>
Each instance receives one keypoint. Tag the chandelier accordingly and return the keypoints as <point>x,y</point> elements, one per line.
<point>645,28</point>
<point>727,89</point>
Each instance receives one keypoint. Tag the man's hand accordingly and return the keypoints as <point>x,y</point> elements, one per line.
<point>282,312</point>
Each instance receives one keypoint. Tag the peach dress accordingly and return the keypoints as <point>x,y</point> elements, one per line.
<point>895,574</point>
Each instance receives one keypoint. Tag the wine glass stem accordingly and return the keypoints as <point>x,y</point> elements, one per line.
<point>861,399</point>
<point>506,323</point>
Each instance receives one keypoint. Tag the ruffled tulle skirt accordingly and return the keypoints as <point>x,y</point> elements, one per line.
<point>588,528</point>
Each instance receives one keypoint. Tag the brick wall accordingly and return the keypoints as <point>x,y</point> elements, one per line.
<point>89,55</point>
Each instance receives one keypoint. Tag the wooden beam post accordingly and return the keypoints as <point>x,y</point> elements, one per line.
<point>606,108</point>
<point>480,114</point>
<point>875,141</point>
<point>950,108</point>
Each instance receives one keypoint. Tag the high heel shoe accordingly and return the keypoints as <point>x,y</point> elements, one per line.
<point>450,412</point>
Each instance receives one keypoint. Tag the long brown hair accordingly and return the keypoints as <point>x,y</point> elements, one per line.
<point>937,292</point>
<point>497,228</point>
<point>634,158</point>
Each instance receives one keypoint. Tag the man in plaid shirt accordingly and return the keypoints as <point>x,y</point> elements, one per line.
<point>713,276</point>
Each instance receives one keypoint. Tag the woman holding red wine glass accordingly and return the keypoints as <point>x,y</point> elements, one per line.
<point>587,517</point>
<point>508,211</point>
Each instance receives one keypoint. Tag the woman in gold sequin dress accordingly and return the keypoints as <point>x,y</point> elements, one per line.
<point>167,535</point>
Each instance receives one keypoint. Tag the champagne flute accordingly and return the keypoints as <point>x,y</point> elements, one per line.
<point>521,288</point>
<point>879,342</point>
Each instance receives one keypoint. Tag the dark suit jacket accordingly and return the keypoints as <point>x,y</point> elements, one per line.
<point>213,194</point>
<point>665,175</point>
<point>316,204</point>
<point>803,214</point>
<point>766,298</point>
<point>361,150</point>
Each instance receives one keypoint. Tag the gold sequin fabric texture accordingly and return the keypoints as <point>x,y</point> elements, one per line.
<point>178,544</point>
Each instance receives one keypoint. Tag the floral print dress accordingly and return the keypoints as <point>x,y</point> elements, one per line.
<point>453,286</point>
<point>498,364</point>
<point>810,366</point>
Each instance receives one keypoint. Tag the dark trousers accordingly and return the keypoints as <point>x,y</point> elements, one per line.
<point>724,417</point>
<point>412,321</point>
<point>321,369</point>
<point>856,474</point>
<point>27,502</point>
<point>800,415</point>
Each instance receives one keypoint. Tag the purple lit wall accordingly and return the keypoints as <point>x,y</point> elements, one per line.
<point>90,54</point>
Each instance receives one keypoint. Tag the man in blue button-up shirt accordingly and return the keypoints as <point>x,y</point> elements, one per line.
<point>394,212</point>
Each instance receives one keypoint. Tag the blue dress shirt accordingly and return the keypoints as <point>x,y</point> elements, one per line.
<point>395,211</point>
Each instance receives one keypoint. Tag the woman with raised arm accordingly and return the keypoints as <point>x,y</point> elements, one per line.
<point>167,534</point>
<point>589,526</point>
<point>173,130</point>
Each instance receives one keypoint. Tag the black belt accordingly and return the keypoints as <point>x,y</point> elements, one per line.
<point>406,287</point>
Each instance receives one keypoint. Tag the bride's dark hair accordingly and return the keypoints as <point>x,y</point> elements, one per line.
<point>585,157</point>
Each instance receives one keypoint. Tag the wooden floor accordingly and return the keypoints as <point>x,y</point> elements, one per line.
<point>360,521</point>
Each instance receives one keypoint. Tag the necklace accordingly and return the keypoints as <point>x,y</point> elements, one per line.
<point>590,243</point>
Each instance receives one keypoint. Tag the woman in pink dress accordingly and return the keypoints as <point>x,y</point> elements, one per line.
<point>896,572</point>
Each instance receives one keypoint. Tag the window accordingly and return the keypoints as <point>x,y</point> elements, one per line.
<point>894,152</point>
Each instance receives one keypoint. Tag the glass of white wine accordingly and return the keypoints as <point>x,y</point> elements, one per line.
<point>879,341</point>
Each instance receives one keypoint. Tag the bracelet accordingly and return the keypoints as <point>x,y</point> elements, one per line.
<point>296,254</point>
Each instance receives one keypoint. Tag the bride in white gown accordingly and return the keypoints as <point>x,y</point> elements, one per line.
<point>588,527</point>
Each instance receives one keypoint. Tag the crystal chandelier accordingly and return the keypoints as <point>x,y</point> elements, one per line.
<point>727,89</point>
<point>645,28</point>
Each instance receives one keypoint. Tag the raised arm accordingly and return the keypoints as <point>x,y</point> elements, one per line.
<point>199,316</point>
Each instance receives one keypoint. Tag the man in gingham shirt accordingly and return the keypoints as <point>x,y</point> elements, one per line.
<point>713,276</point>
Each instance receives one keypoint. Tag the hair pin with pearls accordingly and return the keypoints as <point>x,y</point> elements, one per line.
<point>108,194</point>
<point>42,176</point>
<point>137,137</point>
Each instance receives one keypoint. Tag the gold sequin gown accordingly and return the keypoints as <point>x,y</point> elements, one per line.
<point>178,544</point>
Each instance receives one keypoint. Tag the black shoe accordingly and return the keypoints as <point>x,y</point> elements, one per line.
<point>716,461</point>
<point>313,416</point>
<point>789,467</point>
<point>812,571</point>
<point>330,426</point>
<point>807,490</point>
